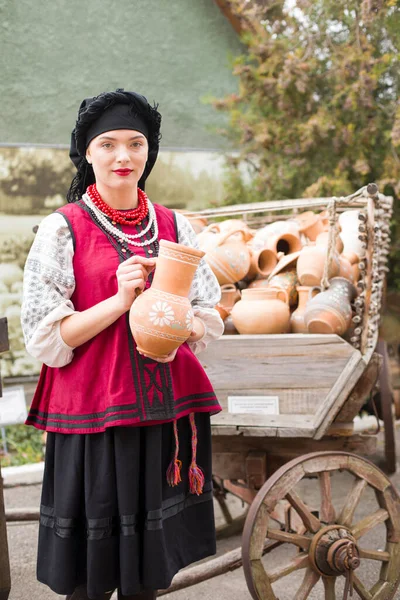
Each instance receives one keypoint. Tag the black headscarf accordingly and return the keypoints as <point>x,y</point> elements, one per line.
<point>106,112</point>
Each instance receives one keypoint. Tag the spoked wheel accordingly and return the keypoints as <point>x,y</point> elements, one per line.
<point>328,541</point>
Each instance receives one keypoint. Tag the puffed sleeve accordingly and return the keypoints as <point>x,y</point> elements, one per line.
<point>49,283</point>
<point>205,291</point>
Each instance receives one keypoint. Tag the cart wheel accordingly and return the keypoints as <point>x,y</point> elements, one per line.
<point>330,546</point>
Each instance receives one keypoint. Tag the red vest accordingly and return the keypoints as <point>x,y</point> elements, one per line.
<point>108,383</point>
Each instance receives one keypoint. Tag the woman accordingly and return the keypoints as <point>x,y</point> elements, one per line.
<point>127,490</point>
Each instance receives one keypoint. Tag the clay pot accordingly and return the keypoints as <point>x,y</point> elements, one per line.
<point>323,240</point>
<point>227,254</point>
<point>223,311</point>
<point>262,311</point>
<point>330,311</point>
<point>353,259</point>
<point>311,262</point>
<point>311,224</point>
<point>287,280</point>
<point>229,295</point>
<point>161,318</point>
<point>281,236</point>
<point>262,263</point>
<point>349,223</point>
<point>345,268</point>
<point>297,324</point>
<point>236,225</point>
<point>198,224</point>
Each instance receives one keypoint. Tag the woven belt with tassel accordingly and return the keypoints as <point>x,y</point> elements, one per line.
<point>196,475</point>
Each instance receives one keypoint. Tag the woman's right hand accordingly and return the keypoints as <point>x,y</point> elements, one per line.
<point>131,275</point>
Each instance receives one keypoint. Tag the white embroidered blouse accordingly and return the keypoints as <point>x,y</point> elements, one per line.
<point>49,283</point>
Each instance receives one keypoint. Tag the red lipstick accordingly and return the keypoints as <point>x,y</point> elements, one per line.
<point>123,172</point>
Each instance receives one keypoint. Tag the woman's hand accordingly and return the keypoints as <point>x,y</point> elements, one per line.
<point>198,330</point>
<point>132,275</point>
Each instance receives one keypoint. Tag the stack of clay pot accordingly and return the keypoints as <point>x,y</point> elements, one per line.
<point>271,277</point>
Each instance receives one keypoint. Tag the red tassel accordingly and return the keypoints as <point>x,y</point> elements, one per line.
<point>196,475</point>
<point>174,469</point>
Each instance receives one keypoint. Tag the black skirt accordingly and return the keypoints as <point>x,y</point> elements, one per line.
<point>110,520</point>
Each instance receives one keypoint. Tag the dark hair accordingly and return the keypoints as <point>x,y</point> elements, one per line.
<point>89,111</point>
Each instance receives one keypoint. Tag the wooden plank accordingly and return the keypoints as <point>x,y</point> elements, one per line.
<point>229,465</point>
<point>303,401</point>
<point>244,420</point>
<point>361,390</point>
<point>267,361</point>
<point>338,394</point>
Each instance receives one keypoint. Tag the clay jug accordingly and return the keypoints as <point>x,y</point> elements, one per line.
<point>287,280</point>
<point>161,318</point>
<point>311,224</point>
<point>262,311</point>
<point>281,236</point>
<point>323,240</point>
<point>229,295</point>
<point>330,311</point>
<point>311,262</point>
<point>228,255</point>
<point>297,324</point>
<point>349,223</point>
<point>262,263</point>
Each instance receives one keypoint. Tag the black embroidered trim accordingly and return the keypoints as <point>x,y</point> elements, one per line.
<point>126,525</point>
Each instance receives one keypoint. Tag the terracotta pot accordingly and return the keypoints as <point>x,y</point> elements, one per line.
<point>161,318</point>
<point>229,295</point>
<point>330,311</point>
<point>236,225</point>
<point>346,269</point>
<point>353,259</point>
<point>198,224</point>
<point>223,311</point>
<point>311,224</point>
<point>281,236</point>
<point>311,262</point>
<point>323,240</point>
<point>349,223</point>
<point>262,311</point>
<point>262,263</point>
<point>297,324</point>
<point>287,280</point>
<point>228,255</point>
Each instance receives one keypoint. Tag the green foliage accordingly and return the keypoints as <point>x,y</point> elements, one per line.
<point>317,111</point>
<point>25,445</point>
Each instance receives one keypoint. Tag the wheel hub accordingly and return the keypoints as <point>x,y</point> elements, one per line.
<point>334,551</point>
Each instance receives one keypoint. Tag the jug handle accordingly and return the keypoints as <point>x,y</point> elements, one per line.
<point>280,290</point>
<point>212,228</point>
<point>312,290</point>
<point>228,234</point>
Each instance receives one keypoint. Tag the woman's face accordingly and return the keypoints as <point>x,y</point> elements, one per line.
<point>118,157</point>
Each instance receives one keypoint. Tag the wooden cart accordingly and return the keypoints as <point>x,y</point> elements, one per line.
<point>321,382</point>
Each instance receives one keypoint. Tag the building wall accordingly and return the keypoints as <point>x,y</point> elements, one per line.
<point>57,52</point>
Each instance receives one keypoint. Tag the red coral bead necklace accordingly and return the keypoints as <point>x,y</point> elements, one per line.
<point>123,217</point>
